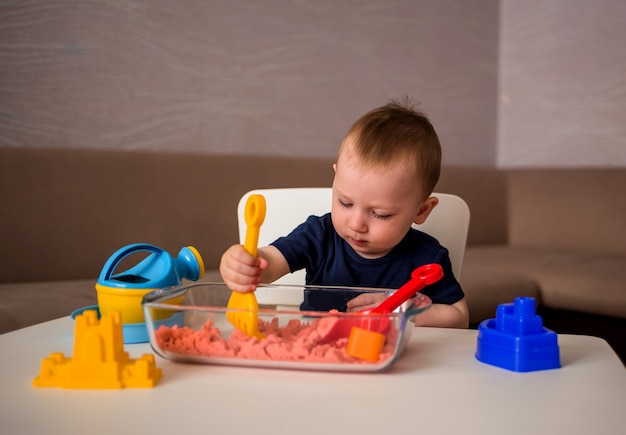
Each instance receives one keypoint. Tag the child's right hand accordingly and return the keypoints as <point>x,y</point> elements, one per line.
<point>241,271</point>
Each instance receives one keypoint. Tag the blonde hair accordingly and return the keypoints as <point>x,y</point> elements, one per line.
<point>394,132</point>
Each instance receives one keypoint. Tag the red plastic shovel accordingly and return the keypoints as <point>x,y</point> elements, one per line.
<point>341,327</point>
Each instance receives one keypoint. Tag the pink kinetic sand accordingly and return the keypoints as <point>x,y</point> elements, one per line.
<point>296,341</point>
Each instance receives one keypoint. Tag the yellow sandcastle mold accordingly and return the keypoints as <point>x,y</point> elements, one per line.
<point>99,361</point>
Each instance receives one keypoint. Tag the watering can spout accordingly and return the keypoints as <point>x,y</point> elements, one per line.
<point>189,264</point>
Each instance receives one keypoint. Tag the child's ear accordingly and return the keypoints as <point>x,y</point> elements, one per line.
<point>425,208</point>
<point>335,167</point>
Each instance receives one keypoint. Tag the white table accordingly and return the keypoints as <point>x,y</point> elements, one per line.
<point>437,386</point>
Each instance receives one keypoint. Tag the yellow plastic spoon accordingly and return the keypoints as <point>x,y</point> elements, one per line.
<point>248,321</point>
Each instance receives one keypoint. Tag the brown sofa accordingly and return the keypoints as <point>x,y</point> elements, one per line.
<point>555,234</point>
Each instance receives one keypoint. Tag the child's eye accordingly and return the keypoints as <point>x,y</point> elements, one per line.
<point>381,216</point>
<point>344,204</point>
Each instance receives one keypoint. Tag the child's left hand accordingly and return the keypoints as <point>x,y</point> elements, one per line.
<point>365,301</point>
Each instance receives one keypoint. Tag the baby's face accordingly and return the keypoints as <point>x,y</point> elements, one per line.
<point>373,208</point>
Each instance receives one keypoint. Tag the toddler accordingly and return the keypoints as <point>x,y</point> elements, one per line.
<point>387,167</point>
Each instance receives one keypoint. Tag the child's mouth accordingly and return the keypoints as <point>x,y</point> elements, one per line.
<point>359,242</point>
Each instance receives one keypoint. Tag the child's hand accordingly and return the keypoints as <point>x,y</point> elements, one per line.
<point>365,301</point>
<point>241,271</point>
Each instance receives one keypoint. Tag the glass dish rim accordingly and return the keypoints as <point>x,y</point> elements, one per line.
<point>158,297</point>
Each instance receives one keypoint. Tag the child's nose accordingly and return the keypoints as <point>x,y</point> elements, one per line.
<point>357,222</point>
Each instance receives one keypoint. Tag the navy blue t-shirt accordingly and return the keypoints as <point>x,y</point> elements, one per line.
<point>329,261</point>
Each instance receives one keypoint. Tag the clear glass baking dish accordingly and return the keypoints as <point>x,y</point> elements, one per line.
<point>190,324</point>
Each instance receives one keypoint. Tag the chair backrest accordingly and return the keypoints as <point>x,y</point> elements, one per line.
<point>289,207</point>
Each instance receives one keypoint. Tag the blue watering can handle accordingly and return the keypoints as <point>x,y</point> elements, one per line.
<point>124,252</point>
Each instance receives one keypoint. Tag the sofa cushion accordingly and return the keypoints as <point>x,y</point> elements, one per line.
<point>568,209</point>
<point>65,211</point>
<point>25,304</point>
<point>564,277</point>
<point>485,288</point>
<point>28,303</point>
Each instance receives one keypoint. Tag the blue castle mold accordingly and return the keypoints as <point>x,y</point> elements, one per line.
<point>516,339</point>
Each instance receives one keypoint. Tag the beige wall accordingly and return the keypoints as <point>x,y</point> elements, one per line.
<point>288,77</point>
<point>260,77</point>
<point>562,83</point>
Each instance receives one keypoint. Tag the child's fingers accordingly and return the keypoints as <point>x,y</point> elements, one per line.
<point>263,263</point>
<point>365,301</point>
<point>240,270</point>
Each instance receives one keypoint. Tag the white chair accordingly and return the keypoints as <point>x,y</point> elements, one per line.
<point>289,207</point>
